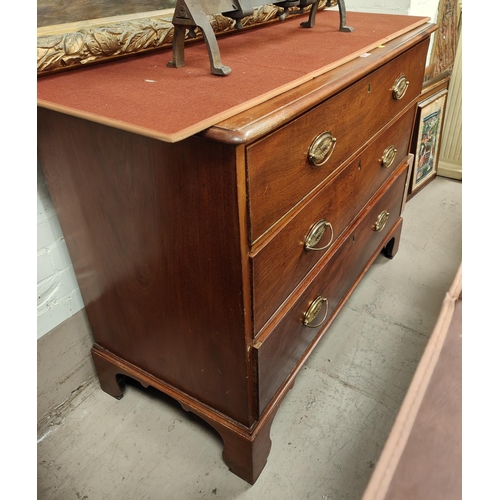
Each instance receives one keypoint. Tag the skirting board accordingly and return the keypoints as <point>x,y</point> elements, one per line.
<point>450,170</point>
<point>63,362</point>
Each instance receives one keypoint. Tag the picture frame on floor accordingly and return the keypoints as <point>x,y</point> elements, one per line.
<point>427,139</point>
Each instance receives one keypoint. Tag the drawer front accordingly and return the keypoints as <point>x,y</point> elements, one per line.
<point>336,205</point>
<point>280,168</point>
<point>281,350</point>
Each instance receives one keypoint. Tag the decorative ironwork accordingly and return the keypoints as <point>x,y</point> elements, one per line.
<point>192,15</point>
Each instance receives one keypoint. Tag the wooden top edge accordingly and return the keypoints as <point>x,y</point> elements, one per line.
<point>230,131</point>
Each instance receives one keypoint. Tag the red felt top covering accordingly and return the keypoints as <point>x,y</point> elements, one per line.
<point>142,95</point>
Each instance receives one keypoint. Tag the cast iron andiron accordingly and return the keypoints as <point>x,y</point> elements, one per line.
<point>192,14</point>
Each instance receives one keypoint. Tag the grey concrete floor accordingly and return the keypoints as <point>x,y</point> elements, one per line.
<point>331,427</point>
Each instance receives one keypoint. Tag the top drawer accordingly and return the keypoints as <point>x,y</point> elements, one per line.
<point>280,169</point>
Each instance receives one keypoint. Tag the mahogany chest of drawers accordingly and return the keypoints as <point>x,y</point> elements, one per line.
<point>210,268</point>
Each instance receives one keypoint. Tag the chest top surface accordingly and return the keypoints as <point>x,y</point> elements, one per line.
<point>142,95</point>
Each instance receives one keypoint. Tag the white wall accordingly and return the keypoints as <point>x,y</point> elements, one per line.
<point>383,6</point>
<point>58,293</point>
<point>424,8</point>
<point>427,8</point>
<point>410,7</point>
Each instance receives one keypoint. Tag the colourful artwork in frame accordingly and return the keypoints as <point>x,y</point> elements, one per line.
<point>430,117</point>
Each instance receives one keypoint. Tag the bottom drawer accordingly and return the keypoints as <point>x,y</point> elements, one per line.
<point>278,352</point>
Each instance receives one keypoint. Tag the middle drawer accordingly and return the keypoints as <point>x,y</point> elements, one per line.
<point>291,253</point>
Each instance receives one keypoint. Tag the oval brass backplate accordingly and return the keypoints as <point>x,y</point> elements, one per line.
<point>381,221</point>
<point>400,87</point>
<point>316,233</point>
<point>388,156</point>
<point>321,149</point>
<point>313,311</point>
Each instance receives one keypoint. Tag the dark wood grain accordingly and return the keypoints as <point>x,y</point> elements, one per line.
<point>352,116</point>
<point>286,343</point>
<point>338,203</point>
<point>152,230</point>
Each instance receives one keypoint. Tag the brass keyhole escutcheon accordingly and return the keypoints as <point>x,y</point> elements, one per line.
<point>316,233</point>
<point>400,87</point>
<point>381,221</point>
<point>388,156</point>
<point>321,149</point>
<point>313,311</point>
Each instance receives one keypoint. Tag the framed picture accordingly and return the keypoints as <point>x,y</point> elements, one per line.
<point>429,125</point>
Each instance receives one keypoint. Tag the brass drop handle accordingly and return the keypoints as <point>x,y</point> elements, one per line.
<point>381,221</point>
<point>316,233</point>
<point>388,156</point>
<point>313,311</point>
<point>321,149</point>
<point>400,87</point>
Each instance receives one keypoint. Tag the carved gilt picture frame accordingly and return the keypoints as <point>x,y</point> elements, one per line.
<point>87,41</point>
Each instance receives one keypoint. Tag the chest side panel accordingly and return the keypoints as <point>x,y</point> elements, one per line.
<point>153,233</point>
